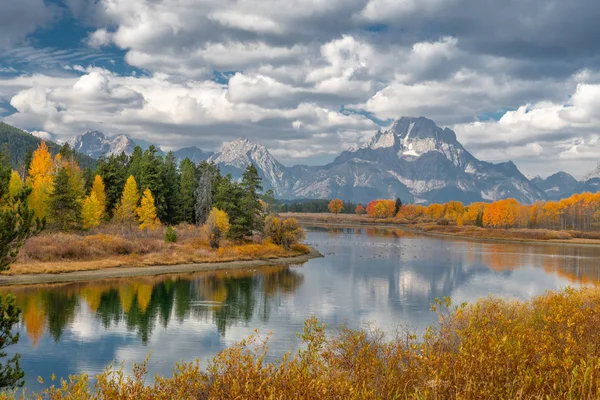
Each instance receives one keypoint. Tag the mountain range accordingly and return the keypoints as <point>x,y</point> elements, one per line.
<point>414,159</point>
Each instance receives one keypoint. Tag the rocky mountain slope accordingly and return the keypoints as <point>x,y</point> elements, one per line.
<point>95,144</point>
<point>414,159</point>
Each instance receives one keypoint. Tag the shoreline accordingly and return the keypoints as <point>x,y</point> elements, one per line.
<point>153,270</point>
<point>407,228</point>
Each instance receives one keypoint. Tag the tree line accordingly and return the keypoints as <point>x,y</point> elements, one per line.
<point>580,212</point>
<point>143,190</point>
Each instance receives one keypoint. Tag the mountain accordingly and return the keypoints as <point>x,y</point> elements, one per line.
<point>235,156</point>
<point>417,160</point>
<point>193,153</point>
<point>19,142</point>
<point>95,144</point>
<point>558,186</point>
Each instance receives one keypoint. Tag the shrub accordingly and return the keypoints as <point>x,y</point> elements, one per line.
<point>170,235</point>
<point>543,348</point>
<point>300,248</point>
<point>283,233</point>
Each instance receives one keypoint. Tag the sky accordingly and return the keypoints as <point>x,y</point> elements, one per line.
<point>515,79</point>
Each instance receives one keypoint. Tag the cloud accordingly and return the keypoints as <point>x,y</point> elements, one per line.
<point>160,110</point>
<point>21,18</point>
<point>299,77</point>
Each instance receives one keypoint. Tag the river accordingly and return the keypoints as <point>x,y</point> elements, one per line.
<point>384,278</point>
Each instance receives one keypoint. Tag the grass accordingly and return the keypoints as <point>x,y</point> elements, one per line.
<point>114,247</point>
<point>544,348</point>
<point>451,229</point>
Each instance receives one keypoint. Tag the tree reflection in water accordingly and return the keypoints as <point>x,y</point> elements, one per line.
<point>226,297</point>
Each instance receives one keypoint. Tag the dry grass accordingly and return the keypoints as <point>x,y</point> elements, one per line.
<point>451,229</point>
<point>115,247</point>
<point>544,348</point>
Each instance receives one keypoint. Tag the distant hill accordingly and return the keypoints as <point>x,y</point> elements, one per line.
<point>19,142</point>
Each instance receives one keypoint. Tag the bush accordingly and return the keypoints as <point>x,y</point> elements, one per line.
<point>283,233</point>
<point>300,248</point>
<point>170,235</point>
<point>546,348</point>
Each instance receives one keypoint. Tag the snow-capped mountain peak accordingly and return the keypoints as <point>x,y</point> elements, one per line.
<point>95,144</point>
<point>412,137</point>
<point>240,153</point>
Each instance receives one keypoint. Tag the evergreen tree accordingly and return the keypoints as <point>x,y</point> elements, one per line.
<point>17,221</point>
<point>135,163</point>
<point>146,212</point>
<point>208,178</point>
<point>398,205</point>
<point>171,184</point>
<point>66,152</point>
<point>251,185</point>
<point>186,190</point>
<point>65,204</point>
<point>126,211</point>
<point>11,374</point>
<point>229,198</point>
<point>113,171</point>
<point>88,177</point>
<point>151,178</point>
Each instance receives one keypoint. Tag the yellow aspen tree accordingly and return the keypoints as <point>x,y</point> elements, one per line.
<point>126,210</point>
<point>91,212</point>
<point>99,190</point>
<point>40,179</point>
<point>217,225</point>
<point>336,206</point>
<point>14,185</point>
<point>147,212</point>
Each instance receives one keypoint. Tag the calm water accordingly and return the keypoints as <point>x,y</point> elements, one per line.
<point>385,277</point>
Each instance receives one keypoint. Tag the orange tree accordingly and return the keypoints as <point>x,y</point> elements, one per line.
<point>336,206</point>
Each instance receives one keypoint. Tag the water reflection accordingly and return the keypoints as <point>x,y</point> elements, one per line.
<point>389,277</point>
<point>227,297</point>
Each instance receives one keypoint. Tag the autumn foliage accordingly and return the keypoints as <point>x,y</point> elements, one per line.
<point>493,349</point>
<point>336,206</point>
<point>381,208</point>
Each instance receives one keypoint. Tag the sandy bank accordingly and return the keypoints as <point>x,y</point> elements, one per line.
<point>124,272</point>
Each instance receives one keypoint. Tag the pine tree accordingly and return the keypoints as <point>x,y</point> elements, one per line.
<point>98,189</point>
<point>146,212</point>
<point>91,212</point>
<point>41,180</point>
<point>113,171</point>
<point>229,198</point>
<point>208,178</point>
<point>171,183</point>
<point>251,185</point>
<point>126,211</point>
<point>17,221</point>
<point>135,163</point>
<point>65,204</point>
<point>397,206</point>
<point>151,178</point>
<point>186,190</point>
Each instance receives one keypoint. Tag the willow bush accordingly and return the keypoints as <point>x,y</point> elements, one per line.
<point>547,347</point>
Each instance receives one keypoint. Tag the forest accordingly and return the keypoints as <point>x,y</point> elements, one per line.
<point>142,209</point>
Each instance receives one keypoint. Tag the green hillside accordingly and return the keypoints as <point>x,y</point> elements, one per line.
<point>19,142</point>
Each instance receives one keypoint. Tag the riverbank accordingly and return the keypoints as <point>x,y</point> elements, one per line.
<point>461,232</point>
<point>153,270</point>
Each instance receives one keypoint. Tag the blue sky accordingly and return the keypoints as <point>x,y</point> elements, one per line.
<point>515,80</point>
